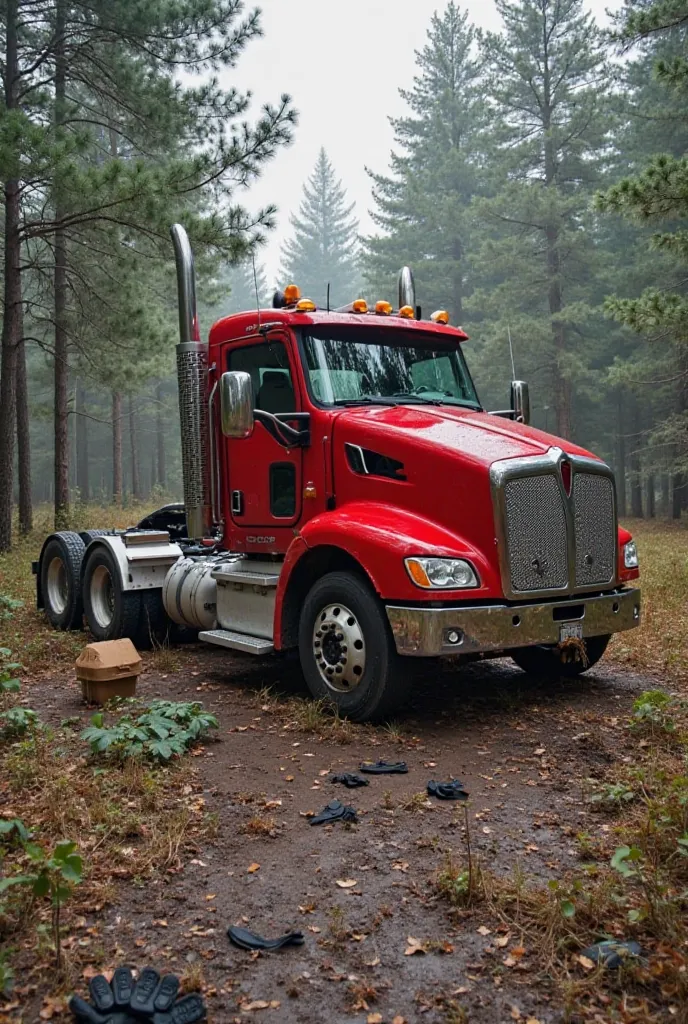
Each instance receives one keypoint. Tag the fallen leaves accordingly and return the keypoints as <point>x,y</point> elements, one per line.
<point>252,868</point>
<point>260,1004</point>
<point>484,930</point>
<point>413,946</point>
<point>346,883</point>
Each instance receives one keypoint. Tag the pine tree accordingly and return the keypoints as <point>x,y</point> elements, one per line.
<point>108,68</point>
<point>323,249</point>
<point>424,208</point>
<point>657,197</point>
<point>547,77</point>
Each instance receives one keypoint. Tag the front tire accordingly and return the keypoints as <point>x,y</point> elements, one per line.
<point>61,580</point>
<point>347,652</point>
<point>546,662</point>
<point>111,612</point>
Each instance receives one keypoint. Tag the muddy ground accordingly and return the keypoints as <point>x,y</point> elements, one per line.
<point>522,749</point>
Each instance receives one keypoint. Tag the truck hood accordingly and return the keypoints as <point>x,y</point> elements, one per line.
<point>477,437</point>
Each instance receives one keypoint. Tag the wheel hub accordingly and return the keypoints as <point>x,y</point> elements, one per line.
<point>339,648</point>
<point>58,589</point>
<point>102,596</point>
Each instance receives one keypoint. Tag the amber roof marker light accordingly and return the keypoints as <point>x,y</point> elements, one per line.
<point>383,308</point>
<point>440,316</point>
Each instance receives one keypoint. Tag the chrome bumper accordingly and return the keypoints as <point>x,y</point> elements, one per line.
<point>425,632</point>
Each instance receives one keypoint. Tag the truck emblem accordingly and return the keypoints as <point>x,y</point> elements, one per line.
<point>260,540</point>
<point>540,565</point>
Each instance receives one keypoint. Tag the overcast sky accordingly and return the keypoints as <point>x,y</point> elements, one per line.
<point>343,63</point>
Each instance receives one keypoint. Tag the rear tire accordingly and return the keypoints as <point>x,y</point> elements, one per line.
<point>545,662</point>
<point>347,652</point>
<point>111,612</point>
<point>61,580</point>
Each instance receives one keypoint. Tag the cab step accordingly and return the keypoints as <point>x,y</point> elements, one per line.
<point>237,641</point>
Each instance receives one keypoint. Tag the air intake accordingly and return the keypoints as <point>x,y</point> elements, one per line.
<point>192,380</point>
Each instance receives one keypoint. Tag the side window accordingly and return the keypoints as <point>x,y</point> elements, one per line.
<point>283,490</point>
<point>268,366</point>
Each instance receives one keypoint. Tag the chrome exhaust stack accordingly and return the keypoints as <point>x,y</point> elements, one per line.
<point>192,381</point>
<point>407,288</point>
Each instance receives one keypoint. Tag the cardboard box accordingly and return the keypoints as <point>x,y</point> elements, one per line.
<point>108,669</point>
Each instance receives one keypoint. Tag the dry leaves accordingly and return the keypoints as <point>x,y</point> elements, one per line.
<point>586,962</point>
<point>346,883</point>
<point>252,868</point>
<point>260,1004</point>
<point>374,1018</point>
<point>484,930</point>
<point>413,946</point>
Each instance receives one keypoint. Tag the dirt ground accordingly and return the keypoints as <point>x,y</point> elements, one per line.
<point>523,751</point>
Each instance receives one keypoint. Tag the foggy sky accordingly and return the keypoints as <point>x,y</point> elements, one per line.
<point>343,63</point>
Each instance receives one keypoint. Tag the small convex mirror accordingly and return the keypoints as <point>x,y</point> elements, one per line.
<point>236,404</point>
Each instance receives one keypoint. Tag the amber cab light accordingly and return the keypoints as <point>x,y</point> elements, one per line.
<point>440,316</point>
<point>305,306</point>
<point>359,306</point>
<point>383,308</point>
<point>292,294</point>
<point>407,312</point>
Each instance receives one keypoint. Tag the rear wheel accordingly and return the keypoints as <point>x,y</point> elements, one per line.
<point>111,612</point>
<point>545,661</point>
<point>346,649</point>
<point>60,580</point>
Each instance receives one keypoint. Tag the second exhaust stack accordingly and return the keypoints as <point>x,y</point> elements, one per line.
<point>192,380</point>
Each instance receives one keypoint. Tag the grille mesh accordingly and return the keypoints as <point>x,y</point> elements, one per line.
<point>595,528</point>
<point>536,533</point>
<point>192,368</point>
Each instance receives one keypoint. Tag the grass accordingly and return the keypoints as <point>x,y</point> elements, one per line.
<point>660,644</point>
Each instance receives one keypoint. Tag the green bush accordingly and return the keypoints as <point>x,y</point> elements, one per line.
<point>17,722</point>
<point>164,730</point>
<point>8,684</point>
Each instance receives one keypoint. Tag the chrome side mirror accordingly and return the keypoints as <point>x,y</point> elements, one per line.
<point>520,401</point>
<point>236,404</point>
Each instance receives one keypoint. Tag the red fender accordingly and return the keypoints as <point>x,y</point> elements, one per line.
<point>379,537</point>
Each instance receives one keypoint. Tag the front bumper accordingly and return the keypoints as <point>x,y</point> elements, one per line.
<point>424,632</point>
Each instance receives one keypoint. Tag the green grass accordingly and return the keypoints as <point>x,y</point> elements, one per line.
<point>660,644</point>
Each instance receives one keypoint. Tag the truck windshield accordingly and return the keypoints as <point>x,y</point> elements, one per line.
<point>348,366</point>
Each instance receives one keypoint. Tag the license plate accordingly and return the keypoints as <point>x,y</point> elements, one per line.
<point>570,630</point>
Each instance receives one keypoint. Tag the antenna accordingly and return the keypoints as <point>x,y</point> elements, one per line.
<point>511,350</point>
<point>328,296</point>
<point>255,285</point>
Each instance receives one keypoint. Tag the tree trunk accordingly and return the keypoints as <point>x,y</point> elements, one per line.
<point>81,429</point>
<point>650,496</point>
<point>620,458</point>
<point>23,443</point>
<point>160,438</point>
<point>60,286</point>
<point>666,497</point>
<point>678,483</point>
<point>116,448</point>
<point>11,324</point>
<point>135,474</point>
<point>636,487</point>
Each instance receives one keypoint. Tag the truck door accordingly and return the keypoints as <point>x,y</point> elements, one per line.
<point>264,477</point>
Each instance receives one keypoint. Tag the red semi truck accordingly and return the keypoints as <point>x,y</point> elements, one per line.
<point>346,494</point>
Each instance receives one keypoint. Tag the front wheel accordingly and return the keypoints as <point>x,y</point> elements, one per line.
<point>346,649</point>
<point>111,612</point>
<point>544,661</point>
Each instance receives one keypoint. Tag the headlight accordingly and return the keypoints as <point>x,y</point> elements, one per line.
<point>441,573</point>
<point>630,555</point>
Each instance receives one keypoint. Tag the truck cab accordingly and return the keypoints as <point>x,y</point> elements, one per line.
<point>347,494</point>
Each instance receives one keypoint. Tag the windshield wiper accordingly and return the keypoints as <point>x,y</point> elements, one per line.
<point>367,400</point>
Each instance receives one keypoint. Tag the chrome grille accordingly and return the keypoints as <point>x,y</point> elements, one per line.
<point>536,533</point>
<point>595,529</point>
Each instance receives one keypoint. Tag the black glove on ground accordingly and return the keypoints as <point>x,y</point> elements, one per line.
<point>125,1001</point>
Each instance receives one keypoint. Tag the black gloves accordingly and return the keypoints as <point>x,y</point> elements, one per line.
<point>125,1001</point>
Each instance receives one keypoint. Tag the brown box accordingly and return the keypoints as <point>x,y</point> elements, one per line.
<point>108,669</point>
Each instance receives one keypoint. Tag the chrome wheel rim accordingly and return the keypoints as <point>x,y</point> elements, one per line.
<point>339,648</point>
<point>102,596</point>
<point>58,587</point>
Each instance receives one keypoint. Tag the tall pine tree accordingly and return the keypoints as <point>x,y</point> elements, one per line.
<point>424,208</point>
<point>323,248</point>
<point>548,104</point>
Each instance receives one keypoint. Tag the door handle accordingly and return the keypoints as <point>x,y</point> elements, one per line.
<point>237,503</point>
